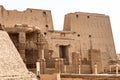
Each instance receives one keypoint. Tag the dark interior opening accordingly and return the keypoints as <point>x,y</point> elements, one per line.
<point>44,13</point>
<point>77,16</point>
<point>88,16</point>
<point>45,33</point>
<point>90,36</point>
<point>14,38</point>
<point>63,52</point>
<point>31,58</point>
<point>46,26</point>
<point>78,35</point>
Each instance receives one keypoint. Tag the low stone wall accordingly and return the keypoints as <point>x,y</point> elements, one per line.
<point>89,77</point>
<point>49,77</point>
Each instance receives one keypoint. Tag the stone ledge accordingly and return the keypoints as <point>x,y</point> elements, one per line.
<point>92,76</point>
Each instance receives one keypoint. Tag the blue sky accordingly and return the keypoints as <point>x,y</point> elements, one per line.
<point>61,7</point>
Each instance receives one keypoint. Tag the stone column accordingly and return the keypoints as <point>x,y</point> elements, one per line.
<point>79,66</point>
<point>61,65</point>
<point>79,69</point>
<point>117,69</point>
<point>38,68</point>
<point>95,66</point>
<point>110,69</point>
<point>58,76</point>
<point>22,42</point>
<point>64,68</point>
<point>42,66</point>
<point>57,65</point>
<point>39,53</point>
<point>42,54</point>
<point>40,45</point>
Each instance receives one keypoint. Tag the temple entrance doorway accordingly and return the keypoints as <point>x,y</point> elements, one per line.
<point>63,53</point>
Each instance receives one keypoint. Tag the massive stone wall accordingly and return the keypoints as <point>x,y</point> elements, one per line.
<point>97,26</point>
<point>34,17</point>
<point>95,33</point>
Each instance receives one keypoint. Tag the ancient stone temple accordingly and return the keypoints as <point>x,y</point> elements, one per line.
<point>85,41</point>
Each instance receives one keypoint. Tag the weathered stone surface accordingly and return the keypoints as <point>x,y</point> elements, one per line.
<point>11,64</point>
<point>49,77</point>
<point>89,77</point>
<point>35,17</point>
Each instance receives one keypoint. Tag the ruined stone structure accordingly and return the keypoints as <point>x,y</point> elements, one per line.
<point>86,40</point>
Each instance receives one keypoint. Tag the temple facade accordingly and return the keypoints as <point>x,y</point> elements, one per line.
<point>86,41</point>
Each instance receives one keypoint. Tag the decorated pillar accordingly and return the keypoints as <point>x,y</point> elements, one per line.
<point>40,45</point>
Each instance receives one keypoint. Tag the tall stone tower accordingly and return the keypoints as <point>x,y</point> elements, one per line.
<point>34,17</point>
<point>95,34</point>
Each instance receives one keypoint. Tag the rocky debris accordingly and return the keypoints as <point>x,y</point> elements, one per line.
<point>12,66</point>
